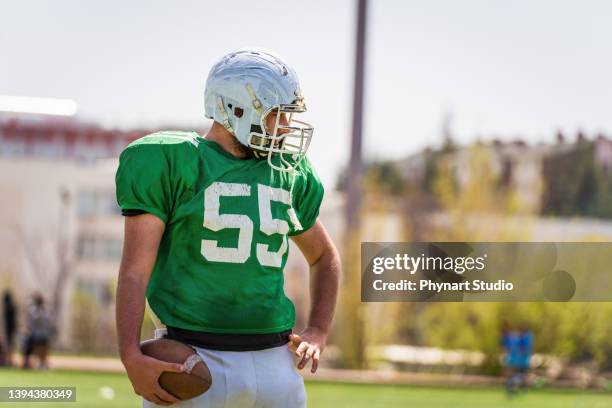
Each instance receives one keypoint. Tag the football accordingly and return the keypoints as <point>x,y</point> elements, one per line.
<point>194,381</point>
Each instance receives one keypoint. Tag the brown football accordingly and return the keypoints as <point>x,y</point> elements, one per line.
<point>184,385</point>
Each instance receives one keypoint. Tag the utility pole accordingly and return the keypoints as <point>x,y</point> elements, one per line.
<point>353,204</point>
<point>353,340</point>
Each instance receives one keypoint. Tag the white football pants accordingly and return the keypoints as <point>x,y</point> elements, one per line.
<point>249,379</point>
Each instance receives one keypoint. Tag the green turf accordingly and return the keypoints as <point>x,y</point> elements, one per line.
<point>320,395</point>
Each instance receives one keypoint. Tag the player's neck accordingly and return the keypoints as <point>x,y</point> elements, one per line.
<point>226,140</point>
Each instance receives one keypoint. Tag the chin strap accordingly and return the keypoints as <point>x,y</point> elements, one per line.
<point>256,102</point>
<point>226,122</point>
<point>191,361</point>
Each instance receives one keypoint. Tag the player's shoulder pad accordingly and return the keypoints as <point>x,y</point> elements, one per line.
<point>168,137</point>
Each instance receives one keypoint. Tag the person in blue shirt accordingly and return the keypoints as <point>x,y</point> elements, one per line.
<point>525,351</point>
<point>510,340</point>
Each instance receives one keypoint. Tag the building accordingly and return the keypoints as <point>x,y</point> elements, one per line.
<point>61,227</point>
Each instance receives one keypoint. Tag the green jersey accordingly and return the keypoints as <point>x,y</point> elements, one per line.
<point>220,262</point>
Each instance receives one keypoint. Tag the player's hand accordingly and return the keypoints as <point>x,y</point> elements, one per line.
<point>308,345</point>
<point>144,372</point>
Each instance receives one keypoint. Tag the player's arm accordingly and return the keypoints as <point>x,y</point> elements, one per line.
<point>141,242</point>
<point>325,270</point>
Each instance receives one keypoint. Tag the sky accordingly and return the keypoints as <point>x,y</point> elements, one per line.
<point>495,68</point>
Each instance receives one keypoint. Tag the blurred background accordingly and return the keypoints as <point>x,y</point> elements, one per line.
<point>481,121</point>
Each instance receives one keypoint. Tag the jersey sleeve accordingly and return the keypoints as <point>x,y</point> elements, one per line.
<point>143,181</point>
<point>307,197</point>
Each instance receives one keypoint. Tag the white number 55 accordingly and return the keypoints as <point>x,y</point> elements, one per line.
<point>268,225</point>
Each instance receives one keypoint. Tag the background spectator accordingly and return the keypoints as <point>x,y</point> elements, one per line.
<point>10,325</point>
<point>39,332</point>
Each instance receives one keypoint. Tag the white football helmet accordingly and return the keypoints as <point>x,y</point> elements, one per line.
<point>247,85</point>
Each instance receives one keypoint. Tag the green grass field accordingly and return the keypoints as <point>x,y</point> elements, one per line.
<point>320,395</point>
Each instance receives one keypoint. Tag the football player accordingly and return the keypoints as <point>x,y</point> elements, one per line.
<point>206,240</point>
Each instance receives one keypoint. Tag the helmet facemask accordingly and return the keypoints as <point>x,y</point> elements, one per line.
<point>287,142</point>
